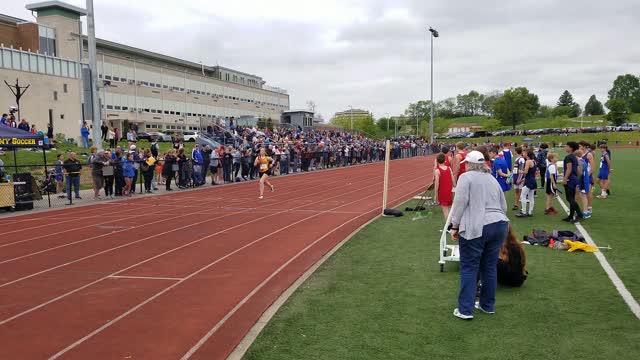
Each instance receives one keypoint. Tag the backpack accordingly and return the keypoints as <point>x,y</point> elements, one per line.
<point>537,237</point>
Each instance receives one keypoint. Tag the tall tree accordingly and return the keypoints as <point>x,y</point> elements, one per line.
<point>469,104</point>
<point>627,88</point>
<point>576,110</point>
<point>618,111</point>
<point>593,107</point>
<point>420,110</point>
<point>566,99</point>
<point>516,106</point>
<point>544,111</point>
<point>446,108</point>
<point>487,102</point>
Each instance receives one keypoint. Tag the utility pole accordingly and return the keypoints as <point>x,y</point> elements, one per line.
<point>93,67</point>
<point>434,33</point>
<point>17,91</point>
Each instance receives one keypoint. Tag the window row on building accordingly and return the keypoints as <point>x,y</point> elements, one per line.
<point>37,63</point>
<point>142,77</point>
<point>141,104</point>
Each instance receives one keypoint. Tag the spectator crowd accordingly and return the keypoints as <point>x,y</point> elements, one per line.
<point>119,171</point>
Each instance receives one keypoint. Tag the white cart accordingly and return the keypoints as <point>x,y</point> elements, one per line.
<point>447,252</point>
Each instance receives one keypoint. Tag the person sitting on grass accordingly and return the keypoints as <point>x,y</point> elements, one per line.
<point>444,184</point>
<point>605,169</point>
<point>512,261</point>
<point>551,185</point>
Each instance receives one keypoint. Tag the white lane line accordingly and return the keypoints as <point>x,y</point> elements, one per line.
<point>615,279</point>
<point>98,225</point>
<point>144,261</point>
<point>252,335</point>
<point>213,330</point>
<point>127,244</point>
<point>143,277</point>
<point>135,308</point>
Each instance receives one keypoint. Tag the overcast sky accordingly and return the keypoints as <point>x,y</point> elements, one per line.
<point>374,54</point>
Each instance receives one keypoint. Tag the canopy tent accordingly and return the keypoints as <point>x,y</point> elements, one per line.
<point>14,138</point>
<point>11,137</point>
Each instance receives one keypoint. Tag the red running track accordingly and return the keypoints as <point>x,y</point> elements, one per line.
<point>178,276</point>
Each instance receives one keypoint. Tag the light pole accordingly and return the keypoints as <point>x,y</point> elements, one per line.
<point>434,34</point>
<point>93,65</point>
<point>388,119</point>
<point>396,124</point>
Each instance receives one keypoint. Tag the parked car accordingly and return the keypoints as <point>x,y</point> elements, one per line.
<point>143,136</point>
<point>629,127</point>
<point>161,137</point>
<point>190,135</point>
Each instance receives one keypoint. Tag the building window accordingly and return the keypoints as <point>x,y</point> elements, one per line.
<point>55,96</point>
<point>64,88</point>
<point>47,40</point>
<point>109,107</point>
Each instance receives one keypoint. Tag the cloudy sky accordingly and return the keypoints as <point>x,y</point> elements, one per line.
<point>374,54</point>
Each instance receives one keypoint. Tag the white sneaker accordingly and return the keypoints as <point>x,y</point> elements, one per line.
<point>261,197</point>
<point>483,310</point>
<point>460,315</point>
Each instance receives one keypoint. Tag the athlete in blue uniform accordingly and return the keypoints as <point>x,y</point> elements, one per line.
<point>605,169</point>
<point>591,166</point>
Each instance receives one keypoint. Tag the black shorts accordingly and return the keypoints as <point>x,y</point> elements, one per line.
<point>268,172</point>
<point>547,188</point>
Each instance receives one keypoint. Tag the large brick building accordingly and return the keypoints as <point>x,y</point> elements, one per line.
<point>152,90</point>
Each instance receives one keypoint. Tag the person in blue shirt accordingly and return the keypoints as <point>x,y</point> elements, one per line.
<point>605,169</point>
<point>128,172</point>
<point>506,154</point>
<point>3,121</point>
<point>584,183</point>
<point>500,169</point>
<point>84,132</point>
<point>196,155</point>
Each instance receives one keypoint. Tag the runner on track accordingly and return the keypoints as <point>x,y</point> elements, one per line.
<point>264,164</point>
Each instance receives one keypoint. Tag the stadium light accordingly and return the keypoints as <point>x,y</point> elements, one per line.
<point>434,34</point>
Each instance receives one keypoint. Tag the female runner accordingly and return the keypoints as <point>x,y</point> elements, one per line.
<point>264,164</point>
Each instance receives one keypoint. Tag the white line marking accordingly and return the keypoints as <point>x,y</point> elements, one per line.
<point>140,263</point>
<point>271,311</point>
<point>615,279</point>
<point>133,309</point>
<point>126,244</point>
<point>210,333</point>
<point>75,229</point>
<point>144,277</point>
